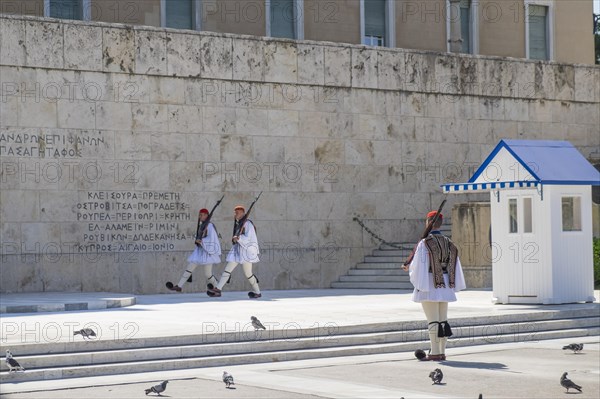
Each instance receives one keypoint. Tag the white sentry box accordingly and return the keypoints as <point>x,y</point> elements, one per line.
<point>541,207</point>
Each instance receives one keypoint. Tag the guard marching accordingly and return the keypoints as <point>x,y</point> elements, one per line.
<point>207,252</point>
<point>245,250</point>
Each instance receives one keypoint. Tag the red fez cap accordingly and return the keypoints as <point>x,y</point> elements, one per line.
<point>240,207</point>
<point>433,213</point>
<point>204,210</point>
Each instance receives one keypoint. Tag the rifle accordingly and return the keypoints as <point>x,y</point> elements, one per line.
<point>425,233</point>
<point>203,226</point>
<point>237,227</point>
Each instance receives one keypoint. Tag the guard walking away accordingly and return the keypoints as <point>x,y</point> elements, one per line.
<point>245,250</point>
<point>206,254</point>
<point>436,274</point>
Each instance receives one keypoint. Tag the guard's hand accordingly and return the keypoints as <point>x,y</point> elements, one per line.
<point>404,267</point>
<point>235,238</point>
<point>198,242</point>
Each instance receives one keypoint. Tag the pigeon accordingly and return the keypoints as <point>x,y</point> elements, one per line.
<point>574,347</point>
<point>86,333</point>
<point>12,363</point>
<point>436,376</point>
<point>567,383</point>
<point>257,324</point>
<point>158,388</point>
<point>480,396</point>
<point>228,379</point>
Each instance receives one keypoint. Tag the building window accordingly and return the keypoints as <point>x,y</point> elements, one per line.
<point>513,227</point>
<point>538,35</point>
<point>465,26</point>
<point>374,40</point>
<point>67,9</point>
<point>527,215</point>
<point>467,11</point>
<point>375,23</point>
<point>571,213</point>
<point>285,18</point>
<point>179,14</point>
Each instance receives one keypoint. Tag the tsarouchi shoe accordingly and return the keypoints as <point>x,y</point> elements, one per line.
<point>433,358</point>
<point>173,287</point>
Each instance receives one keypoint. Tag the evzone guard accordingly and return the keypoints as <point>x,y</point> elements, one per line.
<point>245,250</point>
<point>436,273</point>
<point>207,252</point>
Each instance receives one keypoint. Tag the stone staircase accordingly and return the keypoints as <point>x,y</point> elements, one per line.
<point>46,361</point>
<point>382,270</point>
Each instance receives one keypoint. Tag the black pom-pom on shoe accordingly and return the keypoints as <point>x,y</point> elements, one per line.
<point>420,354</point>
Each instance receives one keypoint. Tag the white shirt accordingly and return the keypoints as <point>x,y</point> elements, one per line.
<point>422,280</point>
<point>210,250</point>
<point>246,249</point>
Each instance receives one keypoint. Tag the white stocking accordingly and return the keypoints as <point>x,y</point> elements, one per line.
<point>226,274</point>
<point>186,274</point>
<point>432,312</point>
<point>208,273</point>
<point>251,277</point>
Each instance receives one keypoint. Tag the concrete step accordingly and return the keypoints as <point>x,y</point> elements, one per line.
<point>377,272</point>
<point>392,252</point>
<point>372,285</point>
<point>385,259</point>
<point>406,245</point>
<point>374,278</point>
<point>407,332</point>
<point>408,340</point>
<point>246,333</point>
<point>409,245</point>
<point>56,302</point>
<point>378,265</point>
<point>297,332</point>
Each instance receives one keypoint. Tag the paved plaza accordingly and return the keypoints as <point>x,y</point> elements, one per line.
<point>528,369</point>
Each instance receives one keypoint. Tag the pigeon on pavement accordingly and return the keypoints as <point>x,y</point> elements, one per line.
<point>158,388</point>
<point>86,333</point>
<point>567,383</point>
<point>12,363</point>
<point>436,376</point>
<point>228,379</point>
<point>574,347</point>
<point>257,324</point>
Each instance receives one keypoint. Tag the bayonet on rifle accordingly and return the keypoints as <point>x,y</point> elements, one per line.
<point>238,227</point>
<point>425,233</point>
<point>202,228</point>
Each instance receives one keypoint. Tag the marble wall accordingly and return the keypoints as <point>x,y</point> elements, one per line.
<point>472,234</point>
<point>112,137</point>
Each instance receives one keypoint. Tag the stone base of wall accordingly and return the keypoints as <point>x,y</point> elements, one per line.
<point>478,276</point>
<point>147,273</point>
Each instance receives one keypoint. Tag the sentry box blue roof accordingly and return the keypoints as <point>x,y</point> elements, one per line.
<point>555,162</point>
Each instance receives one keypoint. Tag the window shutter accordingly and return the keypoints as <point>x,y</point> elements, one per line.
<point>66,9</point>
<point>283,18</point>
<point>465,26</point>
<point>538,32</point>
<point>375,18</point>
<point>179,14</point>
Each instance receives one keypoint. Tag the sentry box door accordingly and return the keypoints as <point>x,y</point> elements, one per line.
<point>519,254</point>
